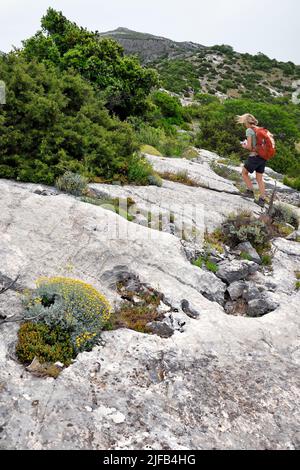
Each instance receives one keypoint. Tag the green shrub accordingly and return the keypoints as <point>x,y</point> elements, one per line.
<point>45,343</point>
<point>139,170</point>
<point>203,260</point>
<point>71,305</point>
<point>284,214</point>
<point>170,107</point>
<point>266,260</point>
<point>123,82</point>
<point>212,267</point>
<point>246,256</point>
<point>199,262</point>
<point>72,183</point>
<point>149,135</point>
<point>292,182</point>
<point>54,122</point>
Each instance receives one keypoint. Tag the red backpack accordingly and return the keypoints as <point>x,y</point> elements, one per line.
<point>265,143</point>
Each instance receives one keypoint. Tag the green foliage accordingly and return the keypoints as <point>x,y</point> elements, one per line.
<point>246,256</point>
<point>284,214</point>
<point>54,122</point>
<point>297,285</point>
<point>292,182</point>
<point>212,267</point>
<point>71,305</point>
<point>136,317</point>
<point>125,85</point>
<point>178,74</point>
<point>45,343</point>
<point>199,262</point>
<point>220,133</point>
<point>139,170</point>
<point>169,106</point>
<point>72,183</point>
<point>266,260</point>
<point>149,135</point>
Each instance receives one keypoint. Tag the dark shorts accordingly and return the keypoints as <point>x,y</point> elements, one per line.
<point>257,164</point>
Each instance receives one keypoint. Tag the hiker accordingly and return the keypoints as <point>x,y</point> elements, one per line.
<point>254,162</point>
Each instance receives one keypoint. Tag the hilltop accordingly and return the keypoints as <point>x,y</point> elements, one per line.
<point>187,67</point>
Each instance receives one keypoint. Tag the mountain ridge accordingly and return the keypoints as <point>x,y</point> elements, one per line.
<point>220,70</point>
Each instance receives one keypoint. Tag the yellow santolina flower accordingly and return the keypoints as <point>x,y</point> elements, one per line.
<point>79,295</point>
<point>84,337</point>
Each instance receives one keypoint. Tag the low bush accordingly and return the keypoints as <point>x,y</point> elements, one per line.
<point>292,182</point>
<point>209,265</point>
<point>136,316</point>
<point>244,227</point>
<point>72,183</point>
<point>76,308</point>
<point>266,259</point>
<point>139,170</point>
<point>45,343</point>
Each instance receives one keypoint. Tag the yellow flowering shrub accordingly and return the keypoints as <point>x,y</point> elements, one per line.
<point>74,306</point>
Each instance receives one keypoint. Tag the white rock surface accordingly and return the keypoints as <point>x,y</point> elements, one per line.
<point>223,382</point>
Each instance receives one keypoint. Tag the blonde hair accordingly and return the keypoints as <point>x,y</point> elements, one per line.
<point>247,119</point>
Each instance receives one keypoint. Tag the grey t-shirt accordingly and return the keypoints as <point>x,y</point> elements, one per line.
<point>251,133</point>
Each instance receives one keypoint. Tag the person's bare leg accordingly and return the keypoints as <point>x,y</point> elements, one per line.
<point>247,179</point>
<point>261,185</point>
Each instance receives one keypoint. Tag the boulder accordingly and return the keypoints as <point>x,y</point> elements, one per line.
<point>249,250</point>
<point>236,290</point>
<point>236,270</point>
<point>261,305</point>
<point>141,220</point>
<point>295,236</point>
<point>161,328</point>
<point>189,311</point>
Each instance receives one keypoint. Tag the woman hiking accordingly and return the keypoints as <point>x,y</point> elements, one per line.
<point>254,161</point>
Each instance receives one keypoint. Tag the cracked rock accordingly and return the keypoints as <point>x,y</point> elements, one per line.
<point>161,328</point>
<point>189,311</point>
<point>236,290</point>
<point>236,270</point>
<point>249,250</point>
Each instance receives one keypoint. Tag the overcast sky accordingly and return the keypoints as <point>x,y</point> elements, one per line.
<point>269,26</point>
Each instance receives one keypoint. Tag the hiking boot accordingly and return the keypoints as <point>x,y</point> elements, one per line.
<point>261,202</point>
<point>249,193</point>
